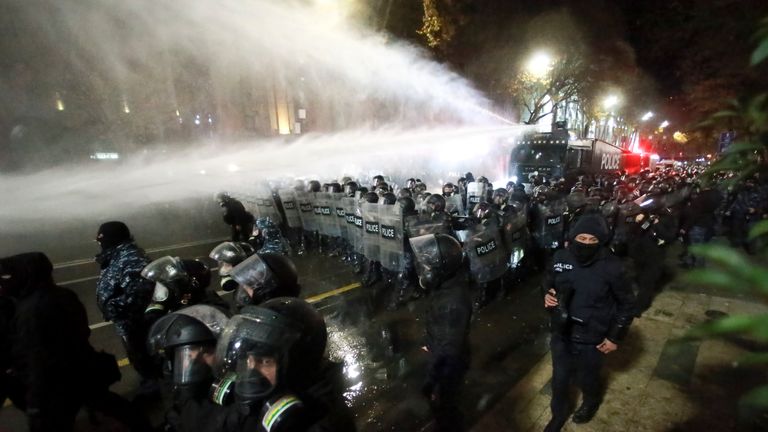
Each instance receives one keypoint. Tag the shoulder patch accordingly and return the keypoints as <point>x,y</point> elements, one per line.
<point>277,409</point>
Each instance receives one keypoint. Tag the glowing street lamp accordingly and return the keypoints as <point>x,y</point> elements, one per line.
<point>647,116</point>
<point>663,124</point>
<point>539,64</point>
<point>610,101</point>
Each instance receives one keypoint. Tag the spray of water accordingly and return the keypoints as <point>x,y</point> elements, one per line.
<point>435,121</point>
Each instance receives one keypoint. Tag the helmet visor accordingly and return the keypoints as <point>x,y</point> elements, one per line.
<point>261,331</point>
<point>189,365</point>
<point>427,255</point>
<point>228,252</point>
<point>164,270</point>
<point>252,272</point>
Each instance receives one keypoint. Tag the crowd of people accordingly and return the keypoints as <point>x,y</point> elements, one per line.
<point>258,362</point>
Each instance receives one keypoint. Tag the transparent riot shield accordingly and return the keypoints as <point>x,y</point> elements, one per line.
<point>476,192</point>
<point>454,206</point>
<point>423,224</point>
<point>371,231</point>
<point>486,252</point>
<point>290,207</point>
<point>514,231</point>
<point>339,228</point>
<point>348,230</point>
<point>358,226</point>
<point>392,242</point>
<point>549,224</point>
<point>317,209</point>
<point>306,213</point>
<point>266,203</point>
<point>323,212</point>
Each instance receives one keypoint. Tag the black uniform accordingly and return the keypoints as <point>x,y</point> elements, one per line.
<point>51,360</point>
<point>647,247</point>
<point>447,327</point>
<point>599,302</point>
<point>239,219</point>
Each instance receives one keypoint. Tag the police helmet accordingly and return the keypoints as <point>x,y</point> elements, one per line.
<point>435,203</point>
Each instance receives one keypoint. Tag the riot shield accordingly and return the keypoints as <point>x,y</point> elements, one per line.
<point>325,216</point>
<point>392,244</point>
<point>476,193</point>
<point>306,213</point>
<point>454,205</point>
<point>349,231</point>
<point>359,227</point>
<point>486,253</point>
<point>624,220</point>
<point>266,204</point>
<point>290,207</point>
<point>339,226</point>
<point>423,224</point>
<point>371,230</point>
<point>549,224</point>
<point>514,231</point>
<point>317,209</point>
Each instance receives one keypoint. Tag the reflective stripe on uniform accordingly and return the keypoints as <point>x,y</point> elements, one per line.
<point>225,279</point>
<point>277,409</point>
<point>154,307</point>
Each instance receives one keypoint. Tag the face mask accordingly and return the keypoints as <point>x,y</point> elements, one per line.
<point>584,253</point>
<point>161,293</point>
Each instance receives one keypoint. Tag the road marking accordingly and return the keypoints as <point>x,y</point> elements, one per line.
<point>314,299</point>
<point>337,291</point>
<point>153,250</point>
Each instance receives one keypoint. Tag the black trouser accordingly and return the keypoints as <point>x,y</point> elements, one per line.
<point>134,338</point>
<point>442,388</point>
<point>572,360</point>
<point>648,273</point>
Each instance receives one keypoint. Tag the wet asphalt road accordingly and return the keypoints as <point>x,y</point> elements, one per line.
<point>384,364</point>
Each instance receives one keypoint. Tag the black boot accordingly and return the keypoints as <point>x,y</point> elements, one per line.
<point>585,412</point>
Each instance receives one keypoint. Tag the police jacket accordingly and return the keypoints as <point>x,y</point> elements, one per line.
<point>448,318</point>
<point>317,407</point>
<point>121,293</point>
<point>235,213</point>
<point>602,303</point>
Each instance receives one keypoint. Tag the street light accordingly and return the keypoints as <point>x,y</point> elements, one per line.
<point>610,101</point>
<point>663,124</point>
<point>539,64</point>
<point>647,116</point>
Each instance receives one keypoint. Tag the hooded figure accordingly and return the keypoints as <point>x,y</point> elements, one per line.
<point>50,358</point>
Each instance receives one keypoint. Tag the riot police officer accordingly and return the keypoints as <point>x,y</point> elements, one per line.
<point>228,255</point>
<point>186,342</point>
<point>592,307</point>
<point>441,271</point>
<point>264,276</point>
<point>282,380</point>
<point>235,215</point>
<point>178,283</point>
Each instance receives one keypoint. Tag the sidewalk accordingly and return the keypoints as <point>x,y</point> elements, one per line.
<point>654,382</point>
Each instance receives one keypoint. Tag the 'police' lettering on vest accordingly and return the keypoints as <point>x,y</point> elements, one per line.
<point>554,220</point>
<point>486,248</point>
